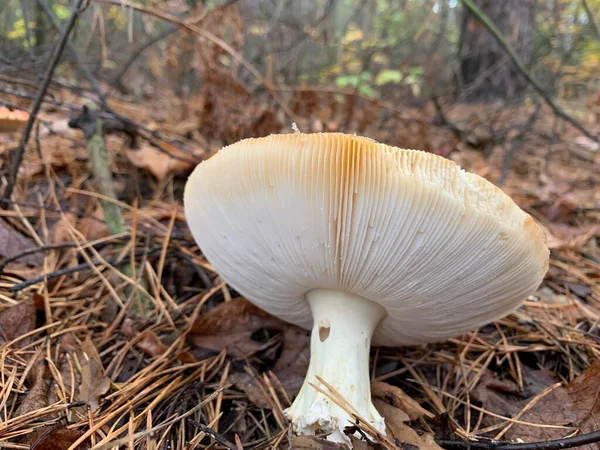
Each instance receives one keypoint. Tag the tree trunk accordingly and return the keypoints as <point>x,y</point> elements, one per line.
<point>485,73</point>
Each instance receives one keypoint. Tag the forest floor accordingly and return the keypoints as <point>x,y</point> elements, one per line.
<point>131,340</point>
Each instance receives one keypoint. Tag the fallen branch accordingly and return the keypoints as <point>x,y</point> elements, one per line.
<point>78,268</point>
<point>91,125</point>
<point>212,433</point>
<point>495,32</point>
<point>576,441</point>
<point>515,141</point>
<point>58,51</point>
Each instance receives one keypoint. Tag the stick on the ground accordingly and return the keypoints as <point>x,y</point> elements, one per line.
<point>58,50</point>
<point>495,32</point>
<point>90,123</point>
<point>576,441</point>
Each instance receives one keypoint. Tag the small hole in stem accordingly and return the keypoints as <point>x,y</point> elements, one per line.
<point>324,333</point>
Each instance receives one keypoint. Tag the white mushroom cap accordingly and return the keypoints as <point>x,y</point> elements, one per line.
<point>442,250</point>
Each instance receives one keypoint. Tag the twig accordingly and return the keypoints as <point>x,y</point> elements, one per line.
<point>78,268</point>
<point>495,32</point>
<point>206,35</point>
<point>576,441</point>
<point>58,50</point>
<point>91,125</point>
<point>31,251</point>
<point>513,145</point>
<point>216,436</point>
<point>444,121</point>
<point>591,17</point>
<point>116,80</point>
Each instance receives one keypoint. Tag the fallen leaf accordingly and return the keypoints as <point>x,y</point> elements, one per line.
<point>230,325</point>
<point>559,235</point>
<point>13,243</point>
<point>16,321</point>
<point>291,367</point>
<point>55,437</point>
<point>400,433</point>
<point>161,164</point>
<point>93,227</point>
<point>314,443</point>
<point>399,399</point>
<point>94,382</point>
<point>577,405</point>
<point>150,343</point>
<point>12,119</point>
<point>37,397</point>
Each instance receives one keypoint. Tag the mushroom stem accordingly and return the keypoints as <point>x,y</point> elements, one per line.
<point>343,324</point>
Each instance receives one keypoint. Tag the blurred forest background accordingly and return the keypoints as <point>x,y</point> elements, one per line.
<point>115,332</point>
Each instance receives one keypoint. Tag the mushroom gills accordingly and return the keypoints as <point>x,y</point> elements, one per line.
<point>343,324</point>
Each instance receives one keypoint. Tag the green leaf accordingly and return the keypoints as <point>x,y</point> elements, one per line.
<point>388,76</point>
<point>367,91</point>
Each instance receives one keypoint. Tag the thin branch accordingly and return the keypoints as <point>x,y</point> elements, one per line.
<point>206,35</point>
<point>495,32</point>
<point>576,441</point>
<point>446,122</point>
<point>516,140</point>
<point>31,251</point>
<point>18,157</point>
<point>591,17</point>
<point>78,268</point>
<point>216,436</point>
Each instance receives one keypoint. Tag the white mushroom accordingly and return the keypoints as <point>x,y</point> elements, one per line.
<point>360,241</point>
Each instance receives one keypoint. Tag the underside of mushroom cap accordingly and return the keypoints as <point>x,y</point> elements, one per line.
<point>442,250</point>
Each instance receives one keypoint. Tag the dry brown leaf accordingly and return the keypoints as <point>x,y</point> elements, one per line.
<point>314,443</point>
<point>569,237</point>
<point>12,119</point>
<point>399,432</point>
<point>55,437</point>
<point>94,382</point>
<point>13,243</point>
<point>577,405</point>
<point>230,325</point>
<point>16,321</point>
<point>150,343</point>
<point>161,164</point>
<point>37,397</point>
<point>398,398</point>
<point>93,227</point>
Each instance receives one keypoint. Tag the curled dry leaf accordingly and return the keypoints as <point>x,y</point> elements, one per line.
<point>37,397</point>
<point>399,399</point>
<point>150,343</point>
<point>17,320</point>
<point>161,164</point>
<point>87,384</point>
<point>94,382</point>
<point>399,432</point>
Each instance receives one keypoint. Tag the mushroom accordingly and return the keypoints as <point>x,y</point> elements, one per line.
<point>361,242</point>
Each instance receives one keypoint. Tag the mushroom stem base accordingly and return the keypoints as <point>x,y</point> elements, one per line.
<point>339,346</point>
